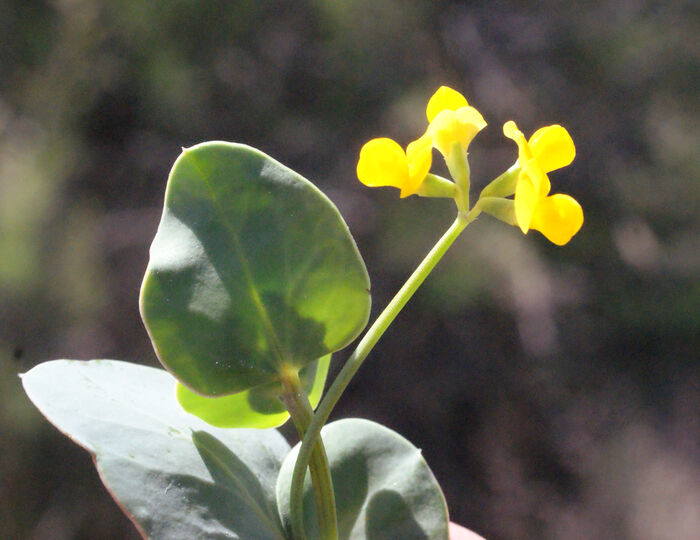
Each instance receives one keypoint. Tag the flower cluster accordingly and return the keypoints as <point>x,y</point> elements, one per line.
<point>452,124</point>
<point>559,216</point>
<point>450,120</point>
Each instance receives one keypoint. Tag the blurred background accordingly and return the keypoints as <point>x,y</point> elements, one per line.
<point>554,391</point>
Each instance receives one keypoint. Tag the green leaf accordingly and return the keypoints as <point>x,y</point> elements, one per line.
<point>252,272</point>
<point>383,486</point>
<point>175,477</point>
<point>258,407</point>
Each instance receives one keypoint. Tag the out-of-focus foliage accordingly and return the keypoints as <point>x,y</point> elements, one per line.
<point>553,390</point>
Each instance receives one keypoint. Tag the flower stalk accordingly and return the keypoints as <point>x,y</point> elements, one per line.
<point>355,360</point>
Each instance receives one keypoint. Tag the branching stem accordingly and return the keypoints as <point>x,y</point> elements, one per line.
<point>297,403</point>
<point>355,360</point>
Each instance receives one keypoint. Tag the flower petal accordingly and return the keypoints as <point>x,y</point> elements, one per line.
<point>382,163</point>
<point>552,147</point>
<point>449,127</point>
<point>525,201</point>
<point>443,131</point>
<point>419,155</point>
<point>510,130</point>
<point>444,98</point>
<point>558,217</point>
<point>537,176</point>
<point>419,146</point>
<point>472,119</point>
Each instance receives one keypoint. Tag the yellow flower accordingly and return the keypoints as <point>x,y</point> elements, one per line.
<point>559,217</point>
<point>384,163</point>
<point>452,120</point>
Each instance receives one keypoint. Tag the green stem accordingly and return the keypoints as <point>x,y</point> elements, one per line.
<point>504,185</point>
<point>358,356</point>
<point>437,186</point>
<point>297,403</point>
<point>458,165</point>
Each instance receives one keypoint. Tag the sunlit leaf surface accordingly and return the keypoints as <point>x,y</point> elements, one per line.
<point>252,269</point>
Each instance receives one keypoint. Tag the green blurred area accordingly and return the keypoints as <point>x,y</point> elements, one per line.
<point>554,391</point>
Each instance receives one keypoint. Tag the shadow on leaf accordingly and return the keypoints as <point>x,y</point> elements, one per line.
<point>350,482</point>
<point>244,508</point>
<point>389,517</point>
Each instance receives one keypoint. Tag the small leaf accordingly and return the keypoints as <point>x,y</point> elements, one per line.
<point>175,477</point>
<point>252,271</point>
<point>258,407</point>
<point>383,486</point>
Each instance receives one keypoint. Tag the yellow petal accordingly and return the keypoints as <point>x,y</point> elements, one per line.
<point>558,217</point>
<point>525,202</point>
<point>552,147</point>
<point>382,163</point>
<point>451,126</point>
<point>537,177</point>
<point>419,146</point>
<point>444,98</point>
<point>469,116</point>
<point>442,131</point>
<point>510,130</point>
<point>419,155</point>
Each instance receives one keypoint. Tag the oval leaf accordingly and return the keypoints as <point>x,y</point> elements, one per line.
<point>175,477</point>
<point>258,407</point>
<point>383,486</point>
<point>252,269</point>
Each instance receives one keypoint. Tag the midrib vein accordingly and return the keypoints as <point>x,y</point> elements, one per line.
<point>238,248</point>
